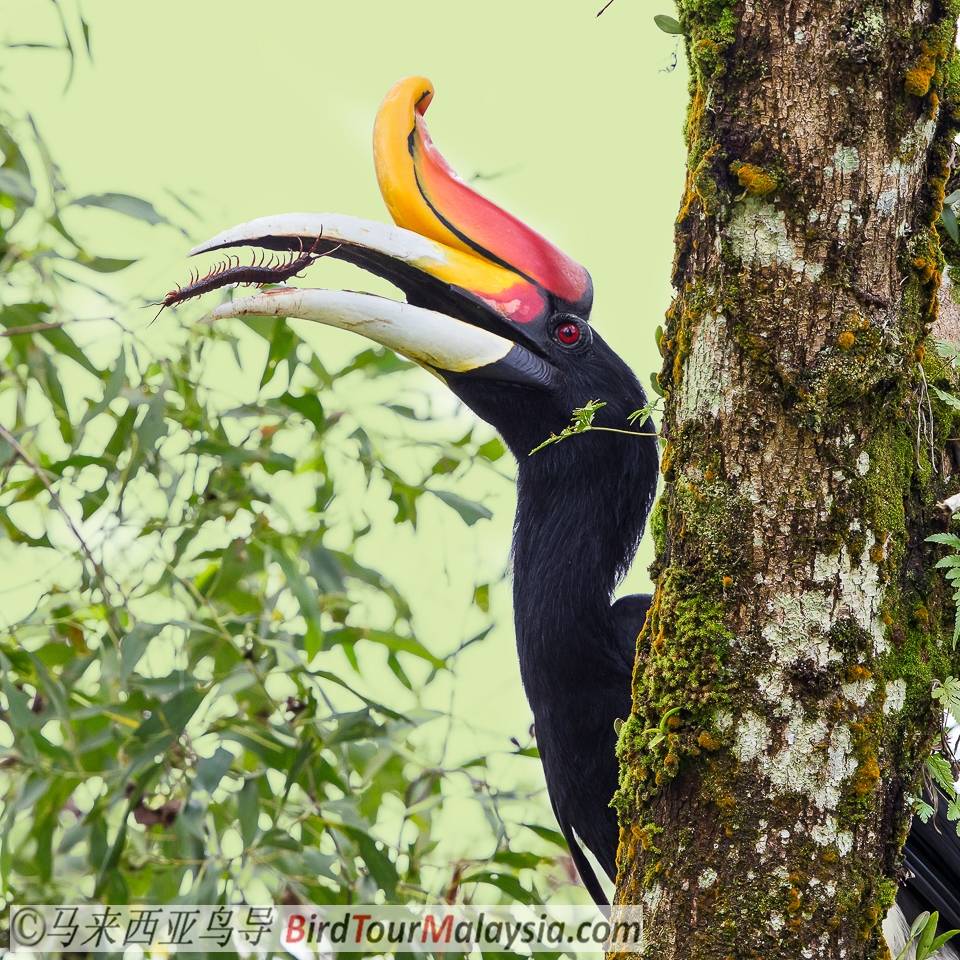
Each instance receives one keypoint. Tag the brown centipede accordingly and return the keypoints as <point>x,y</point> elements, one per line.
<point>258,273</point>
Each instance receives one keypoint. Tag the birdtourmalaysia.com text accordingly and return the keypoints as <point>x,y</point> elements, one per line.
<point>311,930</point>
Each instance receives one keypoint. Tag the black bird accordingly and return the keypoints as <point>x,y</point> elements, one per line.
<point>501,316</point>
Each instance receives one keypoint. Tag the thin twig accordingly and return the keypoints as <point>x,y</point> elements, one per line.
<point>926,390</point>
<point>922,428</point>
<point>629,433</point>
<point>112,622</point>
<point>55,325</point>
<point>31,328</point>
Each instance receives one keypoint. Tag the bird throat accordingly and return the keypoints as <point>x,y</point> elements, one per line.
<point>581,509</point>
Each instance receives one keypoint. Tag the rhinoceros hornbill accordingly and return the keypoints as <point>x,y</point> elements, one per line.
<point>501,316</point>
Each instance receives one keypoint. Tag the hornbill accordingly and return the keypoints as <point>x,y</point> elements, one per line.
<point>501,316</point>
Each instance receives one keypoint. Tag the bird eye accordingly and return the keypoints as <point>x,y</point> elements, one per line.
<point>568,333</point>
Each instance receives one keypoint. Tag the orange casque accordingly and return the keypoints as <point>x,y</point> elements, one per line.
<point>425,195</point>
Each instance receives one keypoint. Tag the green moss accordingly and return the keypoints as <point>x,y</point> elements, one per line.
<point>656,526</point>
<point>704,183</point>
<point>682,668</point>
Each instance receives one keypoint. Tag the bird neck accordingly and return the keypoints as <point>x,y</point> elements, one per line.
<point>581,509</point>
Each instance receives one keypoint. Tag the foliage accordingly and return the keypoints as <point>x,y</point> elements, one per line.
<point>924,932</point>
<point>948,215</point>
<point>581,421</point>
<point>951,563</point>
<point>668,24</point>
<point>186,714</point>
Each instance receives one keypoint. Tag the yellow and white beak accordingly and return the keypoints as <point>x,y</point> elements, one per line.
<point>440,343</point>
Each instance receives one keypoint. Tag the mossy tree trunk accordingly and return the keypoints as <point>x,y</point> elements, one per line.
<point>797,619</point>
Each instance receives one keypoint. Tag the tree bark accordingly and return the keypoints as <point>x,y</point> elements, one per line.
<point>797,619</point>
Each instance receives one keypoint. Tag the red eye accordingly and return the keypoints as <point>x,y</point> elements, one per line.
<point>568,333</point>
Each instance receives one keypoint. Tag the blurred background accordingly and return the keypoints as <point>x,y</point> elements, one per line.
<point>216,113</point>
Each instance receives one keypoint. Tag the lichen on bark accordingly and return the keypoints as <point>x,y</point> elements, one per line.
<point>797,619</point>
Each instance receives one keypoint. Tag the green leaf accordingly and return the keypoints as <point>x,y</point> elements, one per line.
<point>940,770</point>
<point>919,923</point>
<point>403,411</point>
<point>166,723</point>
<point>306,596</point>
<point>639,417</point>
<point>15,184</point>
<point>92,502</point>
<point>123,203</point>
<point>391,641</point>
<point>545,833</point>
<point>950,539</point>
<point>668,24</point>
<point>111,390</point>
<point>238,456</point>
<point>481,597</point>
<point>308,406</point>
<point>153,426</point>
<point>211,770</point>
<point>947,398</point>
<point>949,693</point>
<point>941,940</point>
<point>386,711</point>
<point>55,394</point>
<point>949,220</point>
<point>248,810</point>
<point>404,495</point>
<point>508,883</point>
<point>375,362</point>
<point>927,936</point>
<point>282,347</point>
<point>381,867</point>
<point>102,264</point>
<point>469,511</point>
<point>492,450</point>
<point>355,726</point>
<point>134,645</point>
<point>62,343</point>
<point>279,840</point>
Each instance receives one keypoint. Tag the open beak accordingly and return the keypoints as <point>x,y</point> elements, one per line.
<point>479,284</point>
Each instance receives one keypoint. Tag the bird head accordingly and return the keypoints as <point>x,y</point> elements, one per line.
<point>493,309</point>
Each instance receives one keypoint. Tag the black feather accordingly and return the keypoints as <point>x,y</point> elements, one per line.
<point>932,864</point>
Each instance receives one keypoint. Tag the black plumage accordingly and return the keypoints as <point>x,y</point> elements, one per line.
<point>581,509</point>
<point>932,868</point>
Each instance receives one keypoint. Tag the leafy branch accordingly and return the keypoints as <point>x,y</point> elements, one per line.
<point>924,932</point>
<point>179,725</point>
<point>582,422</point>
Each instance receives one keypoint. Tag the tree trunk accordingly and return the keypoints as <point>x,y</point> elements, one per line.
<point>797,620</point>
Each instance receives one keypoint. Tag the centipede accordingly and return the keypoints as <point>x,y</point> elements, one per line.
<point>258,273</point>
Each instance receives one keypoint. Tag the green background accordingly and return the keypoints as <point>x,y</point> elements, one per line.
<point>244,109</point>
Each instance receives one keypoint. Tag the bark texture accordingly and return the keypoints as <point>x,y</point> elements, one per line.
<point>797,620</point>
